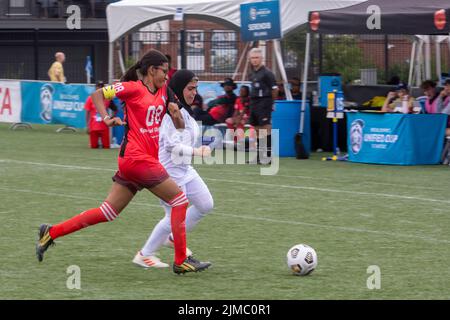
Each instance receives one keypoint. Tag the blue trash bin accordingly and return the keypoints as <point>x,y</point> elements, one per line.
<point>286,118</point>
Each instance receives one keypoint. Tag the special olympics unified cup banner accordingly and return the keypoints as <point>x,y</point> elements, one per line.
<point>54,103</point>
<point>10,101</point>
<point>401,139</point>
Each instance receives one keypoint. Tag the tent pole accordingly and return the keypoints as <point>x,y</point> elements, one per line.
<point>412,62</point>
<point>243,55</point>
<point>305,80</point>
<point>244,74</point>
<point>427,57</point>
<point>121,63</point>
<point>277,49</point>
<point>448,41</point>
<point>438,58</point>
<point>419,61</point>
<point>110,63</point>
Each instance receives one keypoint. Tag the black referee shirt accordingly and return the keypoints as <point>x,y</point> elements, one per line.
<point>263,82</point>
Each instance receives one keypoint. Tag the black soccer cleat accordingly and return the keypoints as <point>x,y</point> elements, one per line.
<point>44,241</point>
<point>190,264</point>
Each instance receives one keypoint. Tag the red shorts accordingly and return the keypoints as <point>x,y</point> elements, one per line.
<point>139,174</point>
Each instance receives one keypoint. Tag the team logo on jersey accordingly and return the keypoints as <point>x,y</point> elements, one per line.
<point>46,101</point>
<point>356,135</point>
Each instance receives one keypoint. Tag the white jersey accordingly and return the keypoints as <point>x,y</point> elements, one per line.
<point>176,148</point>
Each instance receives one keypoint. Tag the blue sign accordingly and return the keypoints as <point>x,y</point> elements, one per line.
<point>54,103</point>
<point>403,139</point>
<point>260,21</point>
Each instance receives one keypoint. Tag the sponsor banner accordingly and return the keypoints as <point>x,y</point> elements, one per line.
<point>10,101</point>
<point>260,21</point>
<point>403,139</point>
<point>55,103</point>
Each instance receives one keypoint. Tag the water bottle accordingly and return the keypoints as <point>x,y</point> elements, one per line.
<point>405,108</point>
<point>315,99</point>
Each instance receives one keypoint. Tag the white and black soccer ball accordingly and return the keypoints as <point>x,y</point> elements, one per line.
<point>302,259</point>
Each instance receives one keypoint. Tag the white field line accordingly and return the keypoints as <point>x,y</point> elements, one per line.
<point>234,172</point>
<point>327,179</point>
<point>246,217</point>
<point>328,190</point>
<point>271,185</point>
<point>64,166</point>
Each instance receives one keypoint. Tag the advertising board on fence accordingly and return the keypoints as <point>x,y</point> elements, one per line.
<point>10,101</point>
<point>55,103</point>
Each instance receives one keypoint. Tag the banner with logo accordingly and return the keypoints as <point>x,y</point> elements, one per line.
<point>402,139</point>
<point>260,21</point>
<point>10,101</point>
<point>55,103</point>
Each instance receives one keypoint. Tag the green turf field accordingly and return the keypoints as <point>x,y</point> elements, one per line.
<point>354,215</point>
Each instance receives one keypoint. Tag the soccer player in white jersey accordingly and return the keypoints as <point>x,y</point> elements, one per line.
<point>176,149</point>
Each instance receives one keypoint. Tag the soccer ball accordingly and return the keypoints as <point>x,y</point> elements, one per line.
<point>302,259</point>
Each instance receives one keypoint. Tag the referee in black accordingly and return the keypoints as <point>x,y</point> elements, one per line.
<point>264,91</point>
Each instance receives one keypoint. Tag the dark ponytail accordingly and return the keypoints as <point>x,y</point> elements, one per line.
<point>151,58</point>
<point>131,74</point>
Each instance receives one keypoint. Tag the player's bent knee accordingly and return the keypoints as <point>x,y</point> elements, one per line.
<point>206,206</point>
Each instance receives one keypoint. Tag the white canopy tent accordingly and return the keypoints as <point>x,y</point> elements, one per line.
<point>129,15</point>
<point>420,62</point>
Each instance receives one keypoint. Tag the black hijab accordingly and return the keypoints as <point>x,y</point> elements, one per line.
<point>178,82</point>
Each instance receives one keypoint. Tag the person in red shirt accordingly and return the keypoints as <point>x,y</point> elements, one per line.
<point>171,69</point>
<point>96,128</point>
<point>146,102</point>
<point>220,108</point>
<point>241,114</point>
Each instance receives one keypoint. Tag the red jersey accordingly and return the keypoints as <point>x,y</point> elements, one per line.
<point>143,114</point>
<point>95,120</point>
<point>219,112</point>
<point>242,105</point>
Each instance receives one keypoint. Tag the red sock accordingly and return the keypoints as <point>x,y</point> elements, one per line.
<point>83,220</point>
<point>179,205</point>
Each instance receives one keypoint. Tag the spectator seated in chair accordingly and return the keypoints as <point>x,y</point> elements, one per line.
<point>295,88</point>
<point>443,104</point>
<point>400,101</point>
<point>241,114</point>
<point>429,90</point>
<point>220,108</point>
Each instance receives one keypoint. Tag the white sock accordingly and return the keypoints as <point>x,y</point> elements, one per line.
<point>193,216</point>
<point>157,237</point>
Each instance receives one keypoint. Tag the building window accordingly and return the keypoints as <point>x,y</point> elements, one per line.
<point>17,3</point>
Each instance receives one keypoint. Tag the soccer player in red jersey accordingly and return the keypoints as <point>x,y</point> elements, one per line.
<point>146,102</point>
<point>95,124</point>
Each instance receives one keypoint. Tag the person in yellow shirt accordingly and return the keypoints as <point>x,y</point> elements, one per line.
<point>56,71</point>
